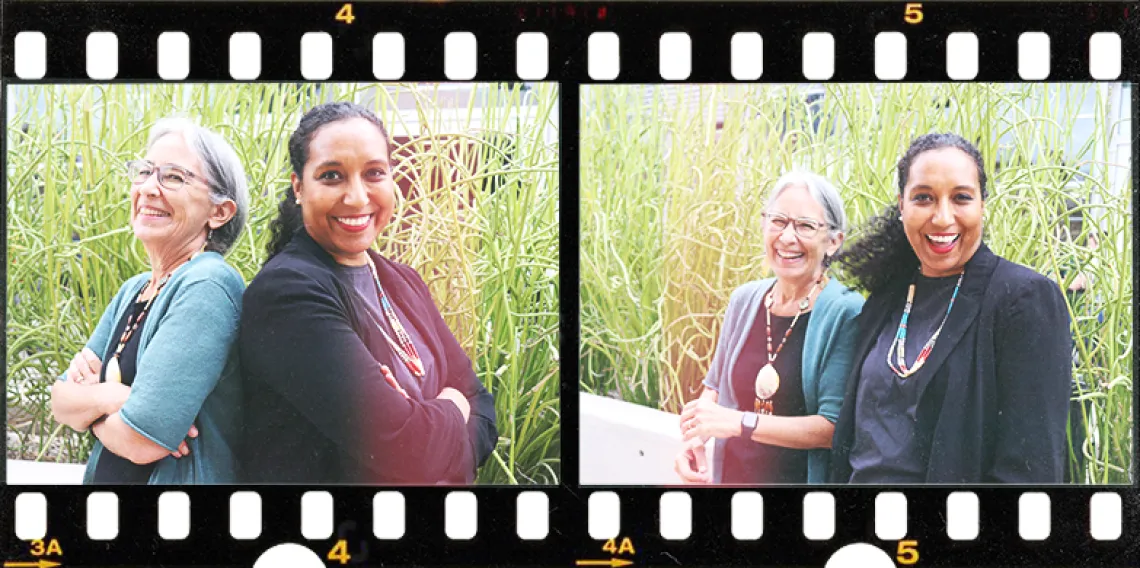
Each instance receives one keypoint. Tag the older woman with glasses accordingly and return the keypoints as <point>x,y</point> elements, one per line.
<point>776,383</point>
<point>157,382</point>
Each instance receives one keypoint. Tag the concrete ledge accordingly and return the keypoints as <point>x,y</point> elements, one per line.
<point>24,472</point>
<point>622,443</point>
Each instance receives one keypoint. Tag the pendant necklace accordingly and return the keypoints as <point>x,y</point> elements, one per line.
<point>899,344</point>
<point>768,380</point>
<point>405,349</point>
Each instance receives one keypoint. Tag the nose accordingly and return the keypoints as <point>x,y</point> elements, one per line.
<point>943,214</point>
<point>150,186</point>
<point>357,194</point>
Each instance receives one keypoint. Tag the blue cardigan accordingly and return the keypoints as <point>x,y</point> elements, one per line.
<point>828,345</point>
<point>188,370</point>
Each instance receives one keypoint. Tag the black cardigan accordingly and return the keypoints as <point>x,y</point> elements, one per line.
<point>317,408</point>
<point>1005,357</point>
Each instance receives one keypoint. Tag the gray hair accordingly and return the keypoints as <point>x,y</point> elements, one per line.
<point>224,174</point>
<point>822,191</point>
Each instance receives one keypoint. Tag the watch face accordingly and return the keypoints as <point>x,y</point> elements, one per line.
<point>750,419</point>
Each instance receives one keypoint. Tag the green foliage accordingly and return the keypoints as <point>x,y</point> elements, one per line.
<point>673,180</point>
<point>479,222</point>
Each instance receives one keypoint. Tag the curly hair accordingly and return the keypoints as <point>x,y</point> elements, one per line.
<point>883,255</point>
<point>289,218</point>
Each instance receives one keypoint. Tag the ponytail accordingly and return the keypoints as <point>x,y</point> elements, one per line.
<point>287,222</point>
<point>881,256</point>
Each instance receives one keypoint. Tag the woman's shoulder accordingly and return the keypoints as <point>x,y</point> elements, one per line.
<point>385,263</point>
<point>842,298</point>
<point>213,267</point>
<point>749,289</point>
<point>1011,281</point>
<point>396,268</point>
<point>288,271</point>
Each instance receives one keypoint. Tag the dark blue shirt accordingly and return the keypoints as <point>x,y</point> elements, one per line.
<point>892,431</point>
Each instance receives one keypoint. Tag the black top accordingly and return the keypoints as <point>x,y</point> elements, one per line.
<point>113,468</point>
<point>749,462</point>
<point>1004,358</point>
<point>892,434</point>
<point>317,407</point>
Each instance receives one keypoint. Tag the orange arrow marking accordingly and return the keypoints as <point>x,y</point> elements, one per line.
<point>612,563</point>
<point>37,564</point>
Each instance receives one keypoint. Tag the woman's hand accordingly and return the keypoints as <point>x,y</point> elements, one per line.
<point>459,400</point>
<point>703,419</point>
<point>184,448</point>
<point>691,464</point>
<point>85,368</point>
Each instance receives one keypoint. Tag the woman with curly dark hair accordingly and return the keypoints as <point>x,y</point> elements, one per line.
<point>962,369</point>
<point>352,375</point>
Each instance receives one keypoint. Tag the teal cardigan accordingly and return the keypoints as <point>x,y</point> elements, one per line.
<point>188,371</point>
<point>828,346</point>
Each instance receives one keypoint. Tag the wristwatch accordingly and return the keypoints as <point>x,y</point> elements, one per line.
<point>748,424</point>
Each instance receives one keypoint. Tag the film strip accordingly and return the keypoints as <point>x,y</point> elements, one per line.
<point>577,46</point>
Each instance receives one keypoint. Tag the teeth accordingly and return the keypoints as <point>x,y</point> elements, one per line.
<point>151,211</point>
<point>789,255</point>
<point>942,240</point>
<point>354,221</point>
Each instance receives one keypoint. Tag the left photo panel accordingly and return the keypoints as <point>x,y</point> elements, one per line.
<point>282,283</point>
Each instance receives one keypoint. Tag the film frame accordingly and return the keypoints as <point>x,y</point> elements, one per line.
<point>570,507</point>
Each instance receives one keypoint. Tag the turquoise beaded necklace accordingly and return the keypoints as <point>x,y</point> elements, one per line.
<point>899,344</point>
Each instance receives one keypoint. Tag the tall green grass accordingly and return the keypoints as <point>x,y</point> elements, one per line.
<point>478,218</point>
<point>673,180</point>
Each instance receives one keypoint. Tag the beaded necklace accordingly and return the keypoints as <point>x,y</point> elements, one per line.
<point>114,371</point>
<point>405,349</point>
<point>768,379</point>
<point>900,336</point>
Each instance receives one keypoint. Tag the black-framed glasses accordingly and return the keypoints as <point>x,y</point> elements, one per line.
<point>170,177</point>
<point>806,228</point>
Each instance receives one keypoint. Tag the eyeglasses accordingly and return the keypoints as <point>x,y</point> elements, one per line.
<point>170,177</point>
<point>806,228</point>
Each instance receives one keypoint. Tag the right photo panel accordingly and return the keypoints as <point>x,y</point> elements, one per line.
<point>884,284</point>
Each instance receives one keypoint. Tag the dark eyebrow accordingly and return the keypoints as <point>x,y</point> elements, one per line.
<point>955,188</point>
<point>332,163</point>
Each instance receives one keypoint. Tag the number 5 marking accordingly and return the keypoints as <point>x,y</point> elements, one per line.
<point>908,552</point>
<point>913,13</point>
<point>345,14</point>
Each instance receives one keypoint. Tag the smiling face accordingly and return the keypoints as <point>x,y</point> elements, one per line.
<point>346,190</point>
<point>168,221</point>
<point>942,208</point>
<point>794,258</point>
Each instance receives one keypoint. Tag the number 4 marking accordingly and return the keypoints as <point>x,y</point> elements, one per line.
<point>345,14</point>
<point>339,553</point>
